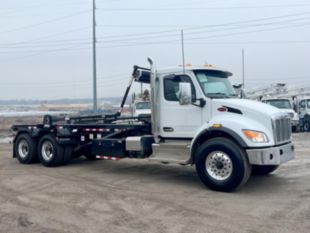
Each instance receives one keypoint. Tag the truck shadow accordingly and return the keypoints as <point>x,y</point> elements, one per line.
<point>137,171</point>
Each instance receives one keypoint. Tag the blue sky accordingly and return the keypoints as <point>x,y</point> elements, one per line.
<point>45,45</point>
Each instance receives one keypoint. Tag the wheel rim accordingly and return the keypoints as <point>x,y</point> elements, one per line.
<point>219,165</point>
<point>23,148</point>
<point>47,150</point>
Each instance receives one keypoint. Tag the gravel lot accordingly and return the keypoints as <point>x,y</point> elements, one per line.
<point>141,196</point>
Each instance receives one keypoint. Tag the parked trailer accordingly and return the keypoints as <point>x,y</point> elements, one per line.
<point>196,120</point>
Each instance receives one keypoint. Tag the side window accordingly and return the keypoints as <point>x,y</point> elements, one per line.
<point>302,104</point>
<point>171,87</point>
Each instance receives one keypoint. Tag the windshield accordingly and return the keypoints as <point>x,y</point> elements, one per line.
<point>214,83</point>
<point>280,103</point>
<point>143,105</point>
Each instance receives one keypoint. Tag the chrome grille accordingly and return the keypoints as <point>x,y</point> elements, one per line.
<point>282,129</point>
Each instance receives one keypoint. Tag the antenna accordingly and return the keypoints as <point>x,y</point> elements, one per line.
<point>183,59</point>
<point>243,68</point>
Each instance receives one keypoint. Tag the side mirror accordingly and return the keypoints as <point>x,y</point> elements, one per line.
<point>185,94</point>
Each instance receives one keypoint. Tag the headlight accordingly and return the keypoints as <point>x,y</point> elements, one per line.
<point>255,136</point>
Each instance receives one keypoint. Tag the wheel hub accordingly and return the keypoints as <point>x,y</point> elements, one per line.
<point>47,150</point>
<point>219,165</point>
<point>23,149</point>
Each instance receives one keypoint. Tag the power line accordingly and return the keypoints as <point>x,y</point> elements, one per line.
<point>172,32</point>
<point>206,8</point>
<point>162,41</point>
<point>42,6</point>
<point>84,41</point>
<point>46,22</point>
<point>215,25</point>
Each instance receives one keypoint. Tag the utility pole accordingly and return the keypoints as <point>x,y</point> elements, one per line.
<point>183,59</point>
<point>243,68</point>
<point>94,59</point>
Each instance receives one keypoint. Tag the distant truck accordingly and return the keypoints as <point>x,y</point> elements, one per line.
<point>304,113</point>
<point>141,108</point>
<point>141,105</point>
<point>196,119</point>
<point>288,106</point>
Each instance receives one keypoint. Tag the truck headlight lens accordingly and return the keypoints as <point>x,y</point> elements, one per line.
<point>255,136</point>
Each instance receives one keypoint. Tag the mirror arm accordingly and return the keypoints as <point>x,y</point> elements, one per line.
<point>201,104</point>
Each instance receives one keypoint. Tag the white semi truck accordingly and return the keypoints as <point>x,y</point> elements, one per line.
<point>196,120</point>
<point>287,105</point>
<point>304,113</point>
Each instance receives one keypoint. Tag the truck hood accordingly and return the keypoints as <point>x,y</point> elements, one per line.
<point>249,107</point>
<point>288,110</point>
<point>293,115</point>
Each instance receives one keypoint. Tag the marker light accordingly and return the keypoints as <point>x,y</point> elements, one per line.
<point>216,126</point>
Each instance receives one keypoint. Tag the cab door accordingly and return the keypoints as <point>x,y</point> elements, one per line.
<point>178,121</point>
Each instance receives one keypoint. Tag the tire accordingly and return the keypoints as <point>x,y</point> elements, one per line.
<point>306,126</point>
<point>51,154</point>
<point>25,149</point>
<point>263,170</point>
<point>222,165</point>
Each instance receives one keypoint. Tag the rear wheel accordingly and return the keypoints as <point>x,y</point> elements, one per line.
<point>51,154</point>
<point>306,126</point>
<point>222,165</point>
<point>25,149</point>
<point>263,170</point>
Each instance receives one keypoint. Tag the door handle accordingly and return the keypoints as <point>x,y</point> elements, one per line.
<point>168,129</point>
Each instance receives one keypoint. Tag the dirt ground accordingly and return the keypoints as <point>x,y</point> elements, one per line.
<point>140,196</point>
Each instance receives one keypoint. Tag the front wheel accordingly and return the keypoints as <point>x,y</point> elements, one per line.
<point>222,165</point>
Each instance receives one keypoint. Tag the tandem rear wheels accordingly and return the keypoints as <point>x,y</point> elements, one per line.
<point>47,150</point>
<point>222,165</point>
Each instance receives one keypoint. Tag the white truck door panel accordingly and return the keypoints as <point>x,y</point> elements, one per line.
<point>176,120</point>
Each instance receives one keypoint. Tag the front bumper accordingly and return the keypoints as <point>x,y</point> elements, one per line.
<point>272,155</point>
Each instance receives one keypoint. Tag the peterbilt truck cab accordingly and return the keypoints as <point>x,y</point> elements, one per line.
<point>196,119</point>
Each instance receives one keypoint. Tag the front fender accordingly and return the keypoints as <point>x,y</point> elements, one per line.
<point>231,127</point>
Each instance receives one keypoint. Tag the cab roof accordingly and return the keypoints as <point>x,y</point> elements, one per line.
<point>145,75</point>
